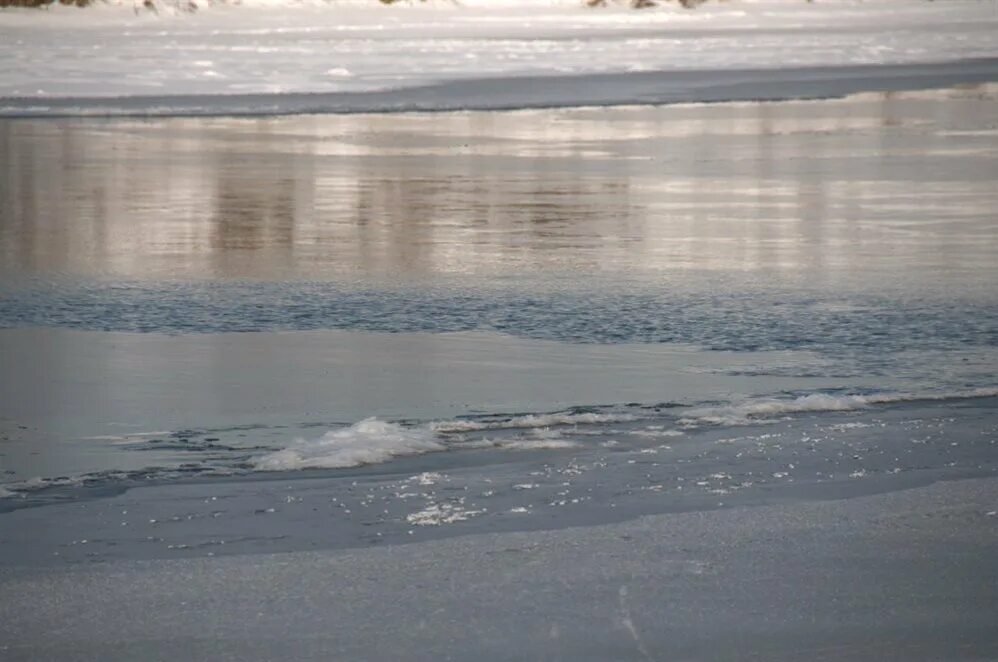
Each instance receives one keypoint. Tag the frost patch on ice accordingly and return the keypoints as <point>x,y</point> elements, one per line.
<point>535,444</point>
<point>441,513</point>
<point>369,441</point>
<point>653,431</point>
<point>757,411</point>
<point>131,438</point>
<point>39,483</point>
<point>530,421</point>
<point>427,478</point>
<point>372,441</point>
<point>855,425</point>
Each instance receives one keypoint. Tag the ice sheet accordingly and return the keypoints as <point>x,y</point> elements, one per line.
<point>273,48</point>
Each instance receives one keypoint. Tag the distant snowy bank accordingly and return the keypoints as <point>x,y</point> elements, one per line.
<point>194,4</point>
<point>361,47</point>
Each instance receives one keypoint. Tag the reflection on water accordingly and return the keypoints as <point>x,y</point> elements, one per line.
<point>892,186</point>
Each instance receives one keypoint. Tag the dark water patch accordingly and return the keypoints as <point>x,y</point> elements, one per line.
<point>772,319</point>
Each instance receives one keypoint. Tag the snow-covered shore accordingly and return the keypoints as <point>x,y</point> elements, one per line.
<point>272,48</point>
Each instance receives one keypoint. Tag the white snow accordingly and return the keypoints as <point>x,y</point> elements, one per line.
<point>428,478</point>
<point>283,46</point>
<point>537,422</point>
<point>436,514</point>
<point>760,410</point>
<point>367,442</point>
<point>534,444</point>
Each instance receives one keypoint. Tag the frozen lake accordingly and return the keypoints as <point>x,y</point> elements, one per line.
<point>428,361</point>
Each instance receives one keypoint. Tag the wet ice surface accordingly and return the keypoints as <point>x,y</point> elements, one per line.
<point>607,474</point>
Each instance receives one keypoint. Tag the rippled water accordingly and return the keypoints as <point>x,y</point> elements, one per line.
<point>585,261</point>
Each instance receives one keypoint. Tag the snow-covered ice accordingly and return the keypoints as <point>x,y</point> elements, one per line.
<point>267,47</point>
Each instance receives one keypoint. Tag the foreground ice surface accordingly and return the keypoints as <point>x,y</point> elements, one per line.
<point>274,48</point>
<point>856,579</point>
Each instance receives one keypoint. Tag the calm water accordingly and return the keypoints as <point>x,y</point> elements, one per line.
<point>201,292</point>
